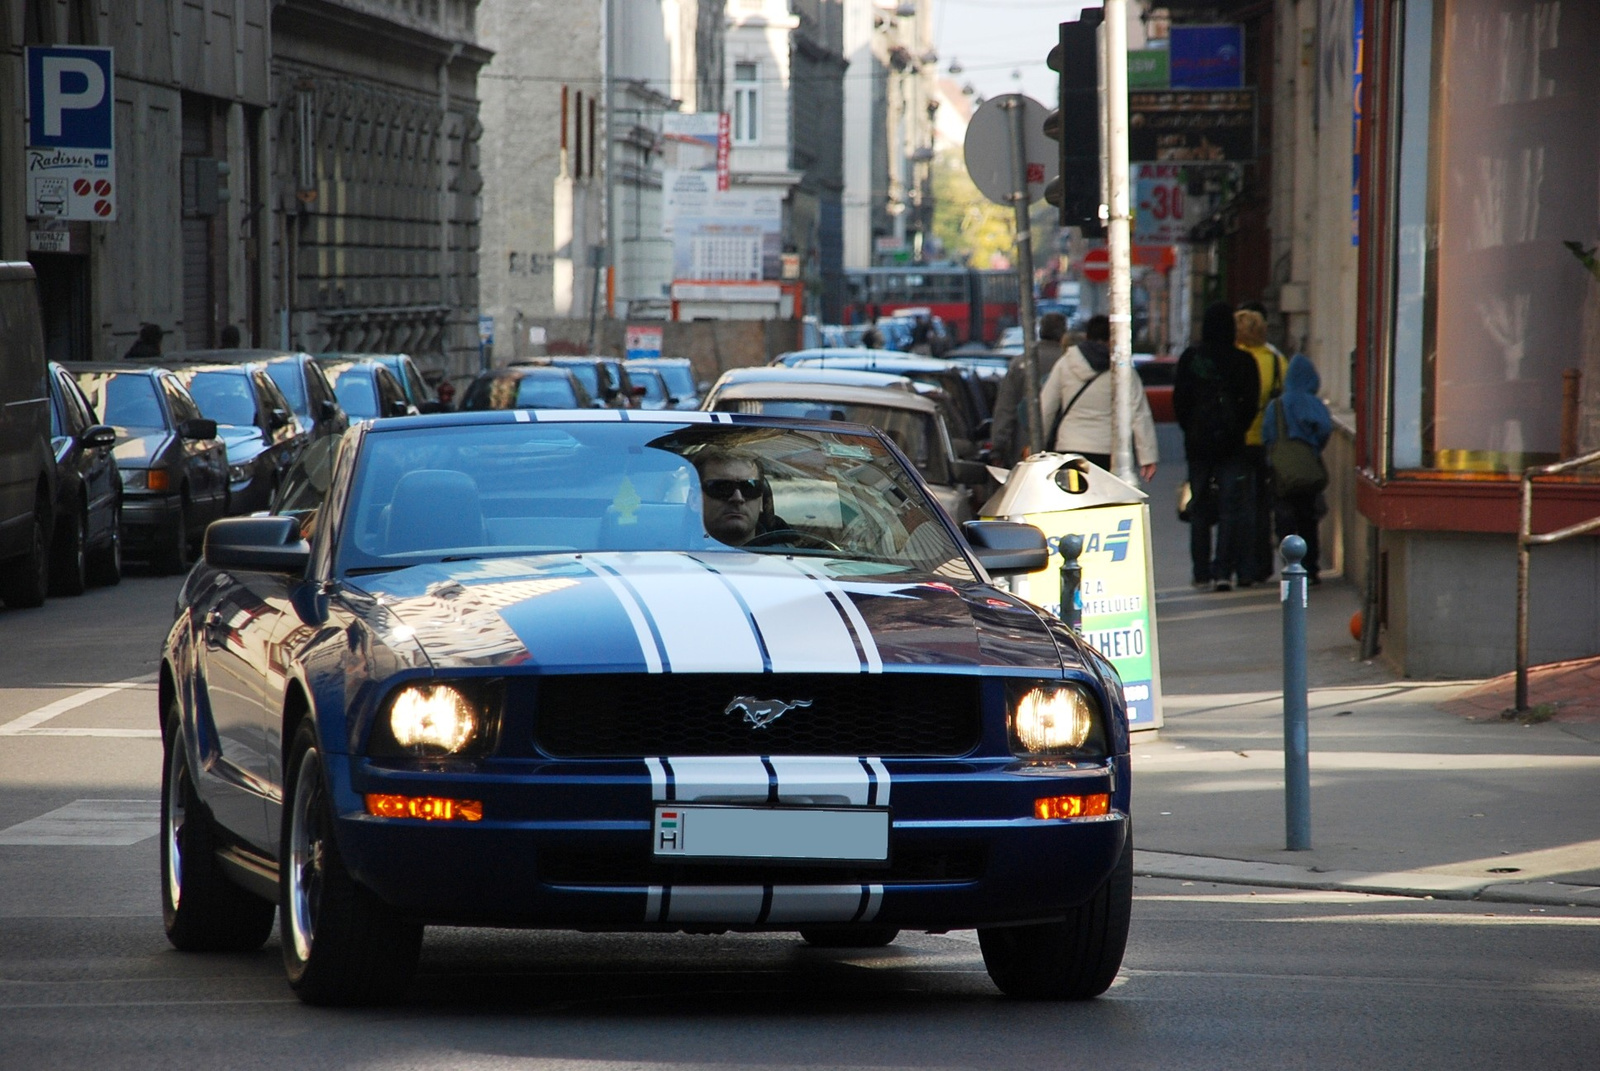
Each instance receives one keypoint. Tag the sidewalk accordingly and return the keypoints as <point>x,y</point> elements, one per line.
<point>1417,788</point>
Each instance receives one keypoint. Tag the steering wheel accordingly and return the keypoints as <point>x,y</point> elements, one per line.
<point>795,538</point>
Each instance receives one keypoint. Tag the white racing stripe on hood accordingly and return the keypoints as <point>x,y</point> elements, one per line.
<point>871,661</point>
<point>641,627</point>
<point>701,624</point>
<point>803,630</point>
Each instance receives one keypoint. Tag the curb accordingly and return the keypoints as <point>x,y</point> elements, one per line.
<point>1399,883</point>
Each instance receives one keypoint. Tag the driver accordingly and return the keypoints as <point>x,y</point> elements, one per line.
<point>735,499</point>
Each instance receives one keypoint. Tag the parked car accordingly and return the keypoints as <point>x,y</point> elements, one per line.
<point>839,377</point>
<point>254,422</point>
<point>174,468</point>
<point>527,387</point>
<point>406,373</point>
<point>968,415</point>
<point>679,376</point>
<point>298,375</point>
<point>656,395</point>
<point>366,389</point>
<point>603,377</point>
<point>913,423</point>
<point>545,673</point>
<point>86,543</point>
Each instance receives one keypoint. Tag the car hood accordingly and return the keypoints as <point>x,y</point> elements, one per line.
<point>243,443</point>
<point>711,612</point>
<point>137,447</point>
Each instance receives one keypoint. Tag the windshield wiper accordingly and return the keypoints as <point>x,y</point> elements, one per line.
<point>368,570</point>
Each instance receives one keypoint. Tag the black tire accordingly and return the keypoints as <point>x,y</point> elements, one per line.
<point>172,543</point>
<point>69,567</point>
<point>105,562</point>
<point>203,910</point>
<point>341,944</point>
<point>1075,959</point>
<point>850,935</point>
<point>25,580</point>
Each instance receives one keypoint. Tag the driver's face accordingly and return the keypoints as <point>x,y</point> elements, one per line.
<point>731,520</point>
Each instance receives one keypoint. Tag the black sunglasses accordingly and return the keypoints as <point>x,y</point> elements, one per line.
<point>723,490</point>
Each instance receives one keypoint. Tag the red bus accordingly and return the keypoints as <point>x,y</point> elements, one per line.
<point>975,305</point>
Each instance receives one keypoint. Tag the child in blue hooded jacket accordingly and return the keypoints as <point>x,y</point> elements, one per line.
<point>1305,418</point>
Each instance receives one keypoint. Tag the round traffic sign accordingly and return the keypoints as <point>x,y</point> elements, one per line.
<point>1096,265</point>
<point>988,148</point>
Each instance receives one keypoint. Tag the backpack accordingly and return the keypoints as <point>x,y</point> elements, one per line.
<point>1297,467</point>
<point>1216,428</point>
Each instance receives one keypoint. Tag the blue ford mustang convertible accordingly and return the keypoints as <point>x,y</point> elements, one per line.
<point>641,671</point>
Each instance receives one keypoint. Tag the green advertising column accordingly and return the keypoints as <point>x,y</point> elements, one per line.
<point>1062,494</point>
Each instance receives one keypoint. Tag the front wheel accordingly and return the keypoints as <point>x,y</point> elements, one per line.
<point>105,564</point>
<point>341,944</point>
<point>1074,959</point>
<point>172,543</point>
<point>203,910</point>
<point>24,581</point>
<point>69,572</point>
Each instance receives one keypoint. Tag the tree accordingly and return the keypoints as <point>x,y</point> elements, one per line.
<point>973,229</point>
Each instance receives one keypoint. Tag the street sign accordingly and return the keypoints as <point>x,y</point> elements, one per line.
<point>70,154</point>
<point>1206,57</point>
<point>485,329</point>
<point>988,149</point>
<point>1096,266</point>
<point>1205,127</point>
<point>643,342</point>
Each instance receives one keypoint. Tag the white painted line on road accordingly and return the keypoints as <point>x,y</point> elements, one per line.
<point>89,823</point>
<point>27,725</point>
<point>152,734</point>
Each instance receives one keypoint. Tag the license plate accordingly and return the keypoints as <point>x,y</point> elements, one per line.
<point>854,835</point>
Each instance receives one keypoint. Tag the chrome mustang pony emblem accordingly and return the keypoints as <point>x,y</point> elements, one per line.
<point>760,713</point>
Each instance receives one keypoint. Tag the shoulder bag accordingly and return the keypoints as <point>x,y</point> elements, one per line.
<point>1297,467</point>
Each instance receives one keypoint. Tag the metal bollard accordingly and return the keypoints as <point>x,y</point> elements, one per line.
<point>1296,748</point>
<point>1071,579</point>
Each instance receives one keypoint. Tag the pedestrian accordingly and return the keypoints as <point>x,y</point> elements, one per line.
<point>921,337</point>
<point>231,338</point>
<point>1008,434</point>
<point>446,393</point>
<point>1250,334</point>
<point>1300,415</point>
<point>1076,402</point>
<point>1214,395</point>
<point>147,347</point>
<point>872,339</point>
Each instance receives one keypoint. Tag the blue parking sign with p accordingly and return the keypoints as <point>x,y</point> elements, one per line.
<point>70,102</point>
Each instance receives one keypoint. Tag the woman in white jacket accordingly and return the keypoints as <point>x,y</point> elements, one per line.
<point>1076,402</point>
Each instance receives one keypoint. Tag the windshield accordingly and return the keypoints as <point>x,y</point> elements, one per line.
<point>588,375</point>
<point>457,492</point>
<point>224,397</point>
<point>912,432</point>
<point>354,390</point>
<point>287,375</point>
<point>680,381</point>
<point>655,388</point>
<point>123,401</point>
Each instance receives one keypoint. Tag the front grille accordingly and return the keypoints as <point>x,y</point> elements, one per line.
<point>906,867</point>
<point>621,715</point>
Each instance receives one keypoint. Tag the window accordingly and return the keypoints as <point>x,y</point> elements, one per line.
<point>747,104</point>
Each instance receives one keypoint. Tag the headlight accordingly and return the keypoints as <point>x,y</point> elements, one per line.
<point>238,472</point>
<point>436,720</point>
<point>135,479</point>
<point>1056,719</point>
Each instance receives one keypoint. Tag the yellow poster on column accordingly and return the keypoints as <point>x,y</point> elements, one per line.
<point>1116,595</point>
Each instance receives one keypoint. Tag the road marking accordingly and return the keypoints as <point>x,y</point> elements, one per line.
<point>89,823</point>
<point>28,724</point>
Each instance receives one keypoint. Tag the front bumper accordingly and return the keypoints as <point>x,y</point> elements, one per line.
<point>567,844</point>
<point>146,515</point>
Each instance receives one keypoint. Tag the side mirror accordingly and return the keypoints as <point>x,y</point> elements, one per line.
<point>399,407</point>
<point>963,447</point>
<point>257,544</point>
<point>1007,548</point>
<point>971,473</point>
<point>328,410</point>
<point>430,407</point>
<point>98,435</point>
<point>198,428</point>
<point>277,419</point>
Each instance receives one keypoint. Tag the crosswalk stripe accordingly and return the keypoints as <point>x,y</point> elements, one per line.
<point>89,823</point>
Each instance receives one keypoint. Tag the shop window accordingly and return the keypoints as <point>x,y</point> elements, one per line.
<point>1499,168</point>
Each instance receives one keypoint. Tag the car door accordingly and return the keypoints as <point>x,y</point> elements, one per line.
<point>329,416</point>
<point>283,436</point>
<point>96,465</point>
<point>391,397</point>
<point>204,461</point>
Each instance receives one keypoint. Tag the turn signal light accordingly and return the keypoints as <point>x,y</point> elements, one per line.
<point>1068,806</point>
<point>428,808</point>
<point>157,480</point>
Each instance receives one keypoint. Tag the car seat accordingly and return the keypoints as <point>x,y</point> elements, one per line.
<point>435,510</point>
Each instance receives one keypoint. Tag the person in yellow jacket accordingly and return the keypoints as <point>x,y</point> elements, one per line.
<point>1250,335</point>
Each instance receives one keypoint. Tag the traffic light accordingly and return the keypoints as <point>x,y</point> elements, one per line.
<point>1075,124</point>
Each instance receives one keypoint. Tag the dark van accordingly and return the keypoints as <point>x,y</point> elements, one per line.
<point>27,466</point>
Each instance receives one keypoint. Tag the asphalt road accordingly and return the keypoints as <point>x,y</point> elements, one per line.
<point>1215,976</point>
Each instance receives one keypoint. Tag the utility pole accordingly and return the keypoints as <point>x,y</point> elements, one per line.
<point>1119,238</point>
<point>1015,105</point>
